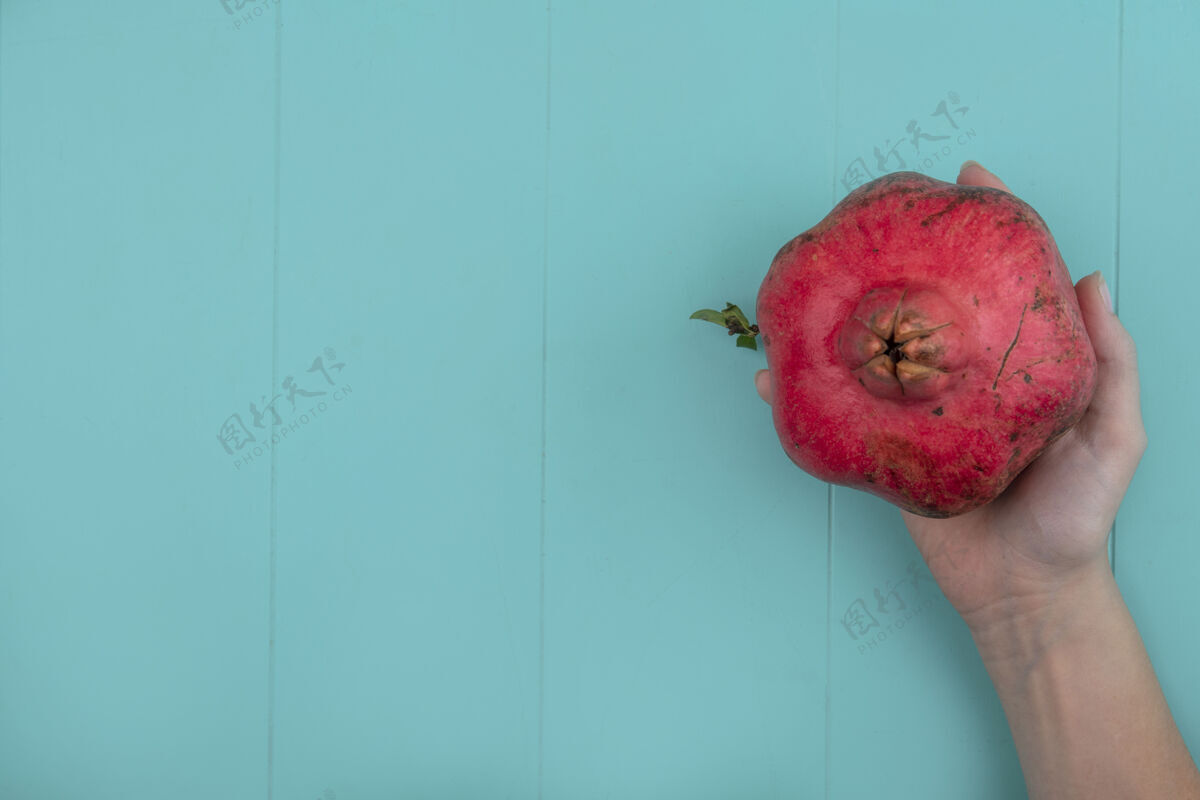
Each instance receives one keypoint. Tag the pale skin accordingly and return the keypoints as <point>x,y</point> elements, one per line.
<point>1030,575</point>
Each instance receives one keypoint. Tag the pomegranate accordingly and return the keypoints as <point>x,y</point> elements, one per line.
<point>924,343</point>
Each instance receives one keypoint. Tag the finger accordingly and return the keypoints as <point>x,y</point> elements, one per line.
<point>762,382</point>
<point>971,173</point>
<point>1114,418</point>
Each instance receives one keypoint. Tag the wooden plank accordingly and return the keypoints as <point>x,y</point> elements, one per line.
<point>685,556</point>
<point>135,284</point>
<point>412,231</point>
<point>671,620</point>
<point>915,711</point>
<point>1158,528</point>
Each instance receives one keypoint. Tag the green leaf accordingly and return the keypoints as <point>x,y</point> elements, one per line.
<point>747,341</point>
<point>733,311</point>
<point>734,322</point>
<point>708,315</point>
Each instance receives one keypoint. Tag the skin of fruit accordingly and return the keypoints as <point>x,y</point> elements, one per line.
<point>962,289</point>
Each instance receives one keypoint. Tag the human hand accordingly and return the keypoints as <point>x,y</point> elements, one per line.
<point>1050,527</point>
<point>1029,573</point>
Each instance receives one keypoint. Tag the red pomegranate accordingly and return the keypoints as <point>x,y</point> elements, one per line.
<point>924,343</point>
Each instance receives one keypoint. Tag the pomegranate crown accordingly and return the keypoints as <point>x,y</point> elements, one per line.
<point>734,321</point>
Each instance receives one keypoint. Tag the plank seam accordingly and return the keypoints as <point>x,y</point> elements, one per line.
<point>542,520</point>
<point>272,516</point>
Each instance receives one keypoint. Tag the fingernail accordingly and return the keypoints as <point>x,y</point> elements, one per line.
<point>1104,293</point>
<point>968,163</point>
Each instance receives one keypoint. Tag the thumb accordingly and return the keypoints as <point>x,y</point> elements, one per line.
<point>762,383</point>
<point>1114,418</point>
<point>972,173</point>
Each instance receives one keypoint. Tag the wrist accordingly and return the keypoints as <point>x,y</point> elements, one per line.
<point>1087,715</point>
<point>1018,631</point>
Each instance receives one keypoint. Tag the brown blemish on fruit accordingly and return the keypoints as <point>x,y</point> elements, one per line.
<point>900,463</point>
<point>953,204</point>
<point>1011,345</point>
<point>1016,453</point>
<point>1038,300</point>
<point>930,513</point>
<point>797,241</point>
<point>975,300</point>
<point>1012,437</point>
<point>1066,425</point>
<point>937,412</point>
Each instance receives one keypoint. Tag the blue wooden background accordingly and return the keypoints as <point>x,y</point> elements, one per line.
<point>511,525</point>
